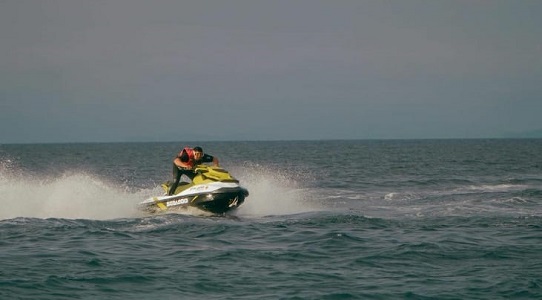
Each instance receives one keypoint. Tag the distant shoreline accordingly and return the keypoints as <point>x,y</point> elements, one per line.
<point>268,141</point>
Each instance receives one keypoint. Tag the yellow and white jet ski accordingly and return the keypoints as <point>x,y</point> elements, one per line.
<point>213,189</point>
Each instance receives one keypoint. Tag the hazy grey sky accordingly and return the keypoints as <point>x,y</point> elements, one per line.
<point>133,70</point>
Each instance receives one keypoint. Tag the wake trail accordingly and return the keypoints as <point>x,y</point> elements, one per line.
<point>79,196</point>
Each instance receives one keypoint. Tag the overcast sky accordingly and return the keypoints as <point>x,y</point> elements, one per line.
<point>133,70</point>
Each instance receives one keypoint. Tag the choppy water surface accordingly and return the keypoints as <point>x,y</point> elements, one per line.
<point>451,219</point>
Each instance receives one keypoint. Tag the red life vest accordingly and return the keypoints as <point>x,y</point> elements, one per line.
<point>191,158</point>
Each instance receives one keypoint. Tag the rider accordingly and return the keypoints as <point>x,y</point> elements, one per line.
<point>186,161</point>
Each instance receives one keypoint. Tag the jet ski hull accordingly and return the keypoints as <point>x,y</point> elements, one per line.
<point>213,202</point>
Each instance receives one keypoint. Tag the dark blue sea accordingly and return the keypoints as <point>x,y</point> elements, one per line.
<point>367,219</point>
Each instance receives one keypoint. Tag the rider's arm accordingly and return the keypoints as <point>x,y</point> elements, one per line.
<point>180,164</point>
<point>210,159</point>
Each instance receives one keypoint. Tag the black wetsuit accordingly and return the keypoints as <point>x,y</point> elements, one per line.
<point>178,172</point>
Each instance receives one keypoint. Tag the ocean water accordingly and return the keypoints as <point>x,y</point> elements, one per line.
<point>413,219</point>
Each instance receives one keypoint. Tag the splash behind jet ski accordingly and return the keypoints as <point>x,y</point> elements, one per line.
<point>213,189</point>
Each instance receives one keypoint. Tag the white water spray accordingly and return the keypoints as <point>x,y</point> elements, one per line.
<point>86,196</point>
<point>75,196</point>
<point>272,193</point>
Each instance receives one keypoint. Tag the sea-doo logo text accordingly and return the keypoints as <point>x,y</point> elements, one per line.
<point>177,202</point>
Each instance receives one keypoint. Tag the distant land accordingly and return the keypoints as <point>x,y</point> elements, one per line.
<point>531,134</point>
<point>193,138</point>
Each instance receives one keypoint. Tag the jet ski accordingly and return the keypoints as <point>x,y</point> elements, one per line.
<point>213,190</point>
